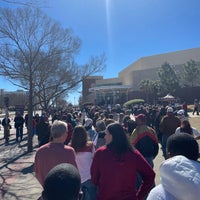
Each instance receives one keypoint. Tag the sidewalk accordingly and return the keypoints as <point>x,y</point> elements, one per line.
<point>17,181</point>
<point>25,186</point>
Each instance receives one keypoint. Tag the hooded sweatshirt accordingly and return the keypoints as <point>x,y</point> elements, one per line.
<point>180,180</point>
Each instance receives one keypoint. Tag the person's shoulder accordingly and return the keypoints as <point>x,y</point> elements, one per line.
<point>43,149</point>
<point>88,147</point>
<point>101,150</point>
<point>151,130</point>
<point>170,175</point>
<point>194,129</point>
<point>134,153</point>
<point>177,130</point>
<point>69,148</point>
<point>159,193</point>
<point>195,132</point>
<point>177,118</point>
<point>165,117</point>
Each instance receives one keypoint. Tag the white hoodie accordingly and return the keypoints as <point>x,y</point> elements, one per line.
<point>180,180</point>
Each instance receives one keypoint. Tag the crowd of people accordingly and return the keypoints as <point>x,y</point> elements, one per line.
<point>108,154</point>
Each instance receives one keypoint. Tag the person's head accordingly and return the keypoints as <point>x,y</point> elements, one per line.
<point>18,114</point>
<point>109,121</point>
<point>79,138</point>
<point>170,111</point>
<point>110,116</point>
<point>59,129</point>
<point>42,119</point>
<point>181,115</point>
<point>186,127</point>
<point>96,115</point>
<point>116,138</point>
<point>102,116</point>
<point>183,144</point>
<point>140,119</point>
<point>126,119</point>
<point>88,123</point>
<point>131,125</point>
<point>100,125</point>
<point>69,116</point>
<point>63,182</point>
<point>121,118</point>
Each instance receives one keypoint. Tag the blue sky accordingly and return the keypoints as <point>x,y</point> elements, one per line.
<point>126,30</point>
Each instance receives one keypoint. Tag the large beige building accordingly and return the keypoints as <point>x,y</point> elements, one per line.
<point>118,90</point>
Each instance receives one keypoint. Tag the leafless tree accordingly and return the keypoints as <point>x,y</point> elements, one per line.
<point>58,77</point>
<point>26,2</point>
<point>37,54</point>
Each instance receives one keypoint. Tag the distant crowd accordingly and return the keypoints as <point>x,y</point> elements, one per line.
<point>108,154</point>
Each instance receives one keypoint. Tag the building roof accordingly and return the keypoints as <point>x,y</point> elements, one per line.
<point>173,58</point>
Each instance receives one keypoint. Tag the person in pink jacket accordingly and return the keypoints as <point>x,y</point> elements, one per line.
<point>115,166</point>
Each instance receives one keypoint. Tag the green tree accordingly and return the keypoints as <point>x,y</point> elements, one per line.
<point>191,73</point>
<point>147,87</point>
<point>150,87</point>
<point>168,79</point>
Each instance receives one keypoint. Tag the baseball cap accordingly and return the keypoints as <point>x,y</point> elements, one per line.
<point>141,117</point>
<point>88,122</point>
<point>170,109</point>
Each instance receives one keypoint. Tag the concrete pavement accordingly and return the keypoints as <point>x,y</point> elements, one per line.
<point>17,181</point>
<point>24,186</point>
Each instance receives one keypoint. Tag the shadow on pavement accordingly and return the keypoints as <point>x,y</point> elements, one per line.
<point>17,163</point>
<point>28,169</point>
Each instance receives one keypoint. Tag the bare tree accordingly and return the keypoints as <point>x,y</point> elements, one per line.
<point>26,2</point>
<point>62,78</point>
<point>37,54</point>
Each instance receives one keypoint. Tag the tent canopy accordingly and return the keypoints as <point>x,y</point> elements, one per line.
<point>168,97</point>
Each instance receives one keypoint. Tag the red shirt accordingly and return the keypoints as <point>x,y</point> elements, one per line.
<point>117,179</point>
<point>50,155</point>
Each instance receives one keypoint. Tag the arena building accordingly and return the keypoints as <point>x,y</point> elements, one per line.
<point>97,90</point>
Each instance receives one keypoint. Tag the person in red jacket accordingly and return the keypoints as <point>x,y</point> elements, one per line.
<point>115,167</point>
<point>54,152</point>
